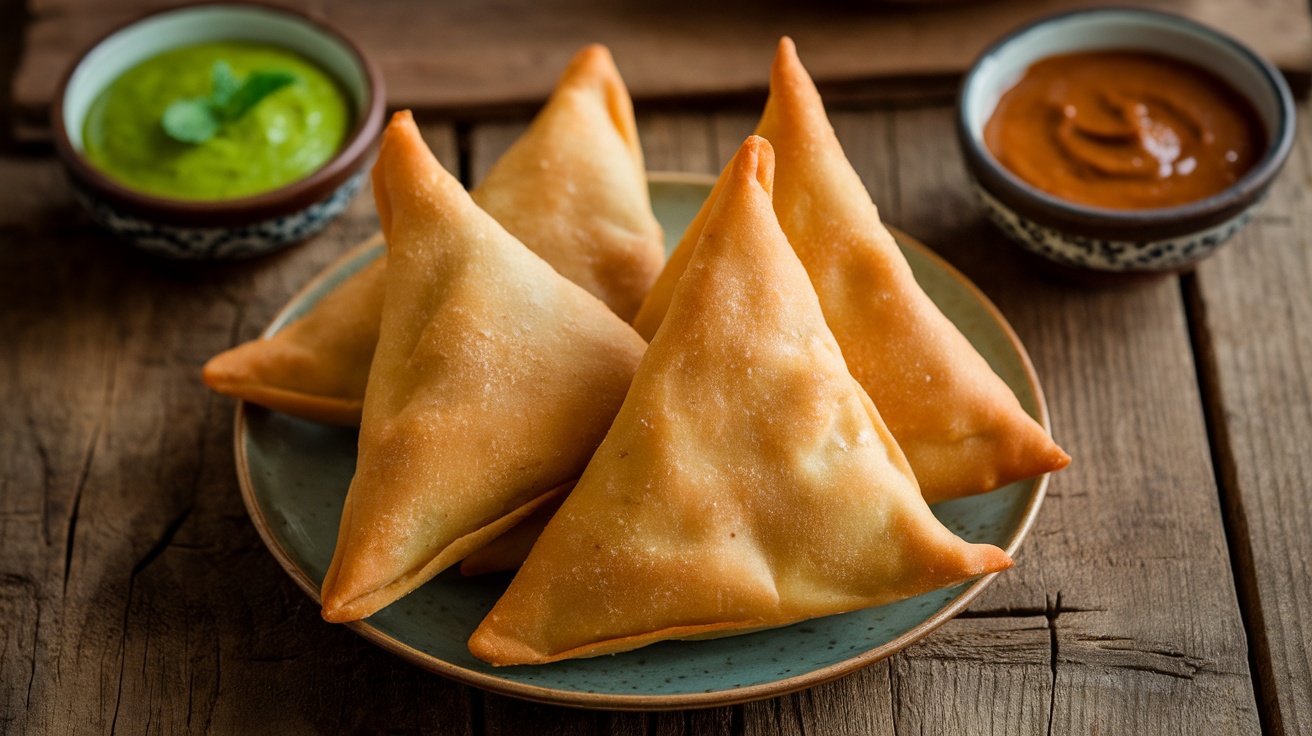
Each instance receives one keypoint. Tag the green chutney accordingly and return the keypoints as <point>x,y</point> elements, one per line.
<point>285,137</point>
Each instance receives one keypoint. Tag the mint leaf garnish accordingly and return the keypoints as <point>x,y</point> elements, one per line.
<point>223,83</point>
<point>254,88</point>
<point>191,121</point>
<point>198,119</point>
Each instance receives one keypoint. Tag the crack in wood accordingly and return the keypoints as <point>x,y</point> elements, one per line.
<point>1024,612</point>
<point>47,476</point>
<point>1051,614</point>
<point>151,555</point>
<point>70,529</point>
<point>70,532</point>
<point>218,684</point>
<point>1158,661</point>
<point>1234,517</point>
<point>162,543</point>
<point>17,580</point>
<point>36,626</point>
<point>123,653</point>
<point>892,698</point>
<point>796,702</point>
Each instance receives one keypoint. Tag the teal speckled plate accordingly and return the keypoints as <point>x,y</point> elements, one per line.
<point>294,475</point>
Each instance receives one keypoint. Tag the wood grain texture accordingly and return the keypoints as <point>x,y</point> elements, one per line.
<point>978,674</point>
<point>1253,308</point>
<point>135,593</point>
<point>478,55</point>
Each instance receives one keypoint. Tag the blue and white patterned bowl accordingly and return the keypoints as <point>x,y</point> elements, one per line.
<point>1106,245</point>
<point>234,228</point>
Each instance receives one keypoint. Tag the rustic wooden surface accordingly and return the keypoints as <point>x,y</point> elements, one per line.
<point>470,56</point>
<point>1252,317</point>
<point>1164,589</point>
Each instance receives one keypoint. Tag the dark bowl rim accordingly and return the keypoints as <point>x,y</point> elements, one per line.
<point>1002,183</point>
<point>297,195</point>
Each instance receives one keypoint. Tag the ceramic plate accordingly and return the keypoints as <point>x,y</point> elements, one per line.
<point>294,475</point>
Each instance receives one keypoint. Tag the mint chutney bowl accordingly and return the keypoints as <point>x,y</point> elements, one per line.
<point>178,226</point>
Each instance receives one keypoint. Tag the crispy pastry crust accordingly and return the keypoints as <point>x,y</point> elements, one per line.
<point>747,482</point>
<point>961,427</point>
<point>494,380</point>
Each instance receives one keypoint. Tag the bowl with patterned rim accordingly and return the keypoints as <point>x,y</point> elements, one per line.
<point>1103,245</point>
<point>229,228</point>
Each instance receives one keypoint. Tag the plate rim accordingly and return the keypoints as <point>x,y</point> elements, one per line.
<point>679,701</point>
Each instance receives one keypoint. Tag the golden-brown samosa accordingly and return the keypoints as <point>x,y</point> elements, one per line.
<point>573,189</point>
<point>494,380</point>
<point>747,482</point>
<point>959,424</point>
<point>508,551</point>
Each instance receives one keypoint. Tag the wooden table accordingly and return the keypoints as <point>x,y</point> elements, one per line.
<point>1165,588</point>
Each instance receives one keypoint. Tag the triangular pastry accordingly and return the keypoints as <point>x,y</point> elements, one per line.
<point>961,427</point>
<point>572,188</point>
<point>494,380</point>
<point>747,482</point>
<point>508,551</point>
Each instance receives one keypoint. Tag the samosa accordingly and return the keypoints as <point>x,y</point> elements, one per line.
<point>508,551</point>
<point>961,427</point>
<point>494,380</point>
<point>573,189</point>
<point>748,481</point>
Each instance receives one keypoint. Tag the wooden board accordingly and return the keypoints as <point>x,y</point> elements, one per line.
<point>478,56</point>
<point>1253,309</point>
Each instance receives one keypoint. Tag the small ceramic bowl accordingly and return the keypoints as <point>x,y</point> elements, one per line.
<point>1106,245</point>
<point>234,228</point>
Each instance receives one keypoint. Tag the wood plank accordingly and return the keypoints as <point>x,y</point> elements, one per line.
<point>1253,308</point>
<point>1129,552</point>
<point>476,56</point>
<point>135,591</point>
<point>856,704</point>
